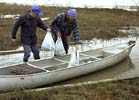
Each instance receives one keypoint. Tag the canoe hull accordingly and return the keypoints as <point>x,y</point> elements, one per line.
<point>12,82</point>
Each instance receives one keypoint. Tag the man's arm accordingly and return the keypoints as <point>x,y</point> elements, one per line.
<point>54,25</point>
<point>41,24</point>
<point>76,34</point>
<point>16,26</point>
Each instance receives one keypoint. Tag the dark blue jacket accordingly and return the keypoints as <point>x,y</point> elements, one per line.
<point>59,24</point>
<point>28,29</point>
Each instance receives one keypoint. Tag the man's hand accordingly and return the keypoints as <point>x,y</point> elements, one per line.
<point>13,40</point>
<point>48,29</point>
<point>58,34</point>
<point>68,39</point>
<point>76,47</point>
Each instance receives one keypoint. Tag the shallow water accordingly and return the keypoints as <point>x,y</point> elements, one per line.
<point>17,58</point>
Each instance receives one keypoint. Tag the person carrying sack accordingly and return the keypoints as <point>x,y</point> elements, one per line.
<point>28,23</point>
<point>65,24</point>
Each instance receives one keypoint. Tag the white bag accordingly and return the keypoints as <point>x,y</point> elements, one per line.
<point>48,42</point>
<point>74,60</point>
<point>59,48</point>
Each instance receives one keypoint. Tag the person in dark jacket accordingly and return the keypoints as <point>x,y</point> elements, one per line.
<point>64,24</point>
<point>28,23</point>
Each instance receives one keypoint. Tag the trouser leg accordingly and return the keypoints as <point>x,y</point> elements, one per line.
<point>65,43</point>
<point>36,51</point>
<point>27,51</point>
<point>54,35</point>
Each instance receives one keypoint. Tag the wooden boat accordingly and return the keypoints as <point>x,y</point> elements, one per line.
<point>47,71</point>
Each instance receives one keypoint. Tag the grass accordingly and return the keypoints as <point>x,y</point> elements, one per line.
<point>115,90</point>
<point>98,23</point>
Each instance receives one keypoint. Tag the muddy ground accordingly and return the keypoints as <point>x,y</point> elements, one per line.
<point>115,90</point>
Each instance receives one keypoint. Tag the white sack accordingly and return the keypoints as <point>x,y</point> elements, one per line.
<point>48,42</point>
<point>59,48</point>
<point>74,60</point>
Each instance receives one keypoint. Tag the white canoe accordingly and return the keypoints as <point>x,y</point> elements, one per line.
<point>47,71</point>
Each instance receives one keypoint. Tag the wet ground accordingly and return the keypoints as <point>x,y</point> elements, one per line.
<point>125,69</point>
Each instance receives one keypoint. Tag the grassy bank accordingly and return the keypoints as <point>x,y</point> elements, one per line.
<point>99,23</point>
<point>116,90</point>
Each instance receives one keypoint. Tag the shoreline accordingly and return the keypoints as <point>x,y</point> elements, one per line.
<point>122,89</point>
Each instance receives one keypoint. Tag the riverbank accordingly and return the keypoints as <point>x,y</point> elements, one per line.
<point>112,90</point>
<point>93,23</point>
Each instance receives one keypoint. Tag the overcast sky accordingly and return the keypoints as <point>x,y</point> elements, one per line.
<point>78,3</point>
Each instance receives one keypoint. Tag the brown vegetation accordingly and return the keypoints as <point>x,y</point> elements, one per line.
<point>99,23</point>
<point>115,90</point>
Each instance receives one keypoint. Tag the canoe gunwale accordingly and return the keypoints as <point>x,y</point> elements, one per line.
<point>13,76</point>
